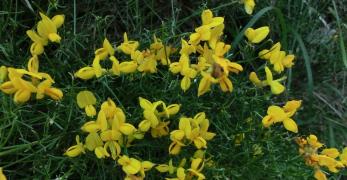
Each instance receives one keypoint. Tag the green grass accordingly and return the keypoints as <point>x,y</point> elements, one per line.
<point>34,136</point>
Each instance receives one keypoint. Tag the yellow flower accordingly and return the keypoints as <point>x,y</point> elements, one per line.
<point>204,32</point>
<point>128,67</point>
<point>47,28</point>
<point>249,6</point>
<point>93,141</point>
<point>145,166</point>
<point>101,152</point>
<point>205,83</point>
<point>2,175</point>
<point>109,108</point>
<point>196,167</point>
<point>21,89</point>
<point>186,48</point>
<point>85,73</point>
<point>37,47</point>
<point>277,58</point>
<point>148,65</point>
<point>86,100</point>
<point>127,46</point>
<point>332,164</point>
<point>45,88</point>
<point>266,53</point>
<point>277,114</point>
<point>312,140</point>
<point>331,152</point>
<point>75,150</point>
<point>163,168</point>
<point>105,51</point>
<point>276,87</point>
<point>114,148</point>
<point>319,175</point>
<point>343,156</point>
<point>130,166</point>
<point>257,35</point>
<point>97,67</point>
<point>183,67</point>
<point>160,130</point>
<point>191,130</point>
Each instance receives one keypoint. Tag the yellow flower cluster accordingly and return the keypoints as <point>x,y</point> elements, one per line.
<point>21,82</point>
<point>181,173</point>
<point>205,41</point>
<point>330,158</point>
<point>153,119</point>
<point>145,61</point>
<point>275,56</point>
<point>191,130</point>
<point>109,133</point>
<point>309,146</point>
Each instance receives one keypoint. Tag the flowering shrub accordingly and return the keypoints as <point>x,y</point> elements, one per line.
<point>112,133</point>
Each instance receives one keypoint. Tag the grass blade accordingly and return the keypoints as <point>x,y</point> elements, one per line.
<point>307,60</point>
<point>342,44</point>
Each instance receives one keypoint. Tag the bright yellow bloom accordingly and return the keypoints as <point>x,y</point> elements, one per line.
<point>97,67</point>
<point>249,6</point>
<point>162,53</point>
<point>105,51</point>
<point>275,85</point>
<point>205,83</point>
<point>101,152</point>
<point>123,67</point>
<point>343,156</point>
<point>93,141</point>
<point>47,28</point>
<point>191,130</point>
<point>21,89</point>
<point>319,175</point>
<point>114,149</point>
<point>186,48</point>
<point>152,117</point>
<point>145,166</point>
<point>86,100</point>
<point>166,167</point>
<point>309,147</point>
<point>160,130</point>
<point>130,166</point>
<point>128,67</point>
<point>183,67</point>
<point>75,150</point>
<point>148,64</point>
<point>257,35</point>
<point>331,163</point>
<point>196,167</point>
<point>127,46</point>
<point>277,114</point>
<point>2,175</point>
<point>45,88</point>
<point>277,58</point>
<point>85,73</point>
<point>204,32</point>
